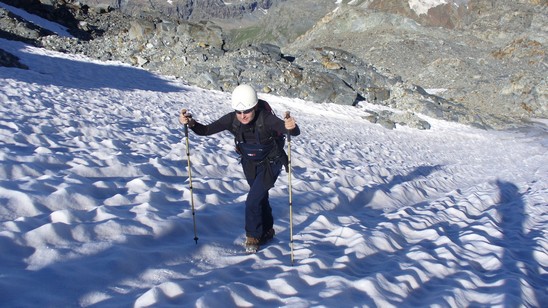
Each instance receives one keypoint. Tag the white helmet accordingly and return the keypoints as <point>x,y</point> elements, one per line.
<point>244,97</point>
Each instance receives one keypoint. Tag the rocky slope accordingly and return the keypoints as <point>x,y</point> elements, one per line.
<point>488,55</point>
<point>486,60</point>
<point>185,9</point>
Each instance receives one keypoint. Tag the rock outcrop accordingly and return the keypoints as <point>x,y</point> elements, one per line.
<point>489,56</point>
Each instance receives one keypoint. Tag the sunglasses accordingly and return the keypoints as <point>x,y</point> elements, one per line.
<point>245,111</point>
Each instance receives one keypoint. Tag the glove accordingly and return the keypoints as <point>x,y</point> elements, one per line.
<point>186,118</point>
<point>290,123</point>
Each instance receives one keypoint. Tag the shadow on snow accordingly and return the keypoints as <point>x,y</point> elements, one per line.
<point>85,75</point>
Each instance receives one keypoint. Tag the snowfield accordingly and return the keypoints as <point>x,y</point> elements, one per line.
<point>95,202</point>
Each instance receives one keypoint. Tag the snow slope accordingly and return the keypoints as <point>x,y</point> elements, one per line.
<point>95,202</point>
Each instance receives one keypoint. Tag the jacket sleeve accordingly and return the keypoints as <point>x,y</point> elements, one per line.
<point>222,124</point>
<point>278,125</point>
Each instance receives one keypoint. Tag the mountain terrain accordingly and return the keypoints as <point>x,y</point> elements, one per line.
<point>478,62</point>
<point>488,55</point>
<point>101,207</point>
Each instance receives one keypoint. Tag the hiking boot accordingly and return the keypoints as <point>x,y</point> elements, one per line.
<point>267,236</point>
<point>251,244</point>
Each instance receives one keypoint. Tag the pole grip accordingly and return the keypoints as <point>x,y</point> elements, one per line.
<point>183,112</point>
<point>287,116</point>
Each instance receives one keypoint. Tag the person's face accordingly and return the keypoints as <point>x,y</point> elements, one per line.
<point>245,116</point>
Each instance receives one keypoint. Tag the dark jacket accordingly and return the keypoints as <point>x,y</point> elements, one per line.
<point>271,122</point>
<point>248,134</point>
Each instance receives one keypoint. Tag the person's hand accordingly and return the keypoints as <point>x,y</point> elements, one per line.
<point>185,118</point>
<point>290,123</point>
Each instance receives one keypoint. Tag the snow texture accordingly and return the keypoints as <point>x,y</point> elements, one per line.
<point>95,204</point>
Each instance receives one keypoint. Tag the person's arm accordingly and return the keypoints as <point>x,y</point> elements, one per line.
<point>223,123</point>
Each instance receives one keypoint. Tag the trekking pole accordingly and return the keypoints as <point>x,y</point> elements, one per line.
<point>287,115</point>
<point>190,179</point>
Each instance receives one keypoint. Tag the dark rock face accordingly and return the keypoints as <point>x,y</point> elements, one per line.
<point>9,60</point>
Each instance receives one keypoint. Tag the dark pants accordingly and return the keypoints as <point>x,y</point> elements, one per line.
<point>258,213</point>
